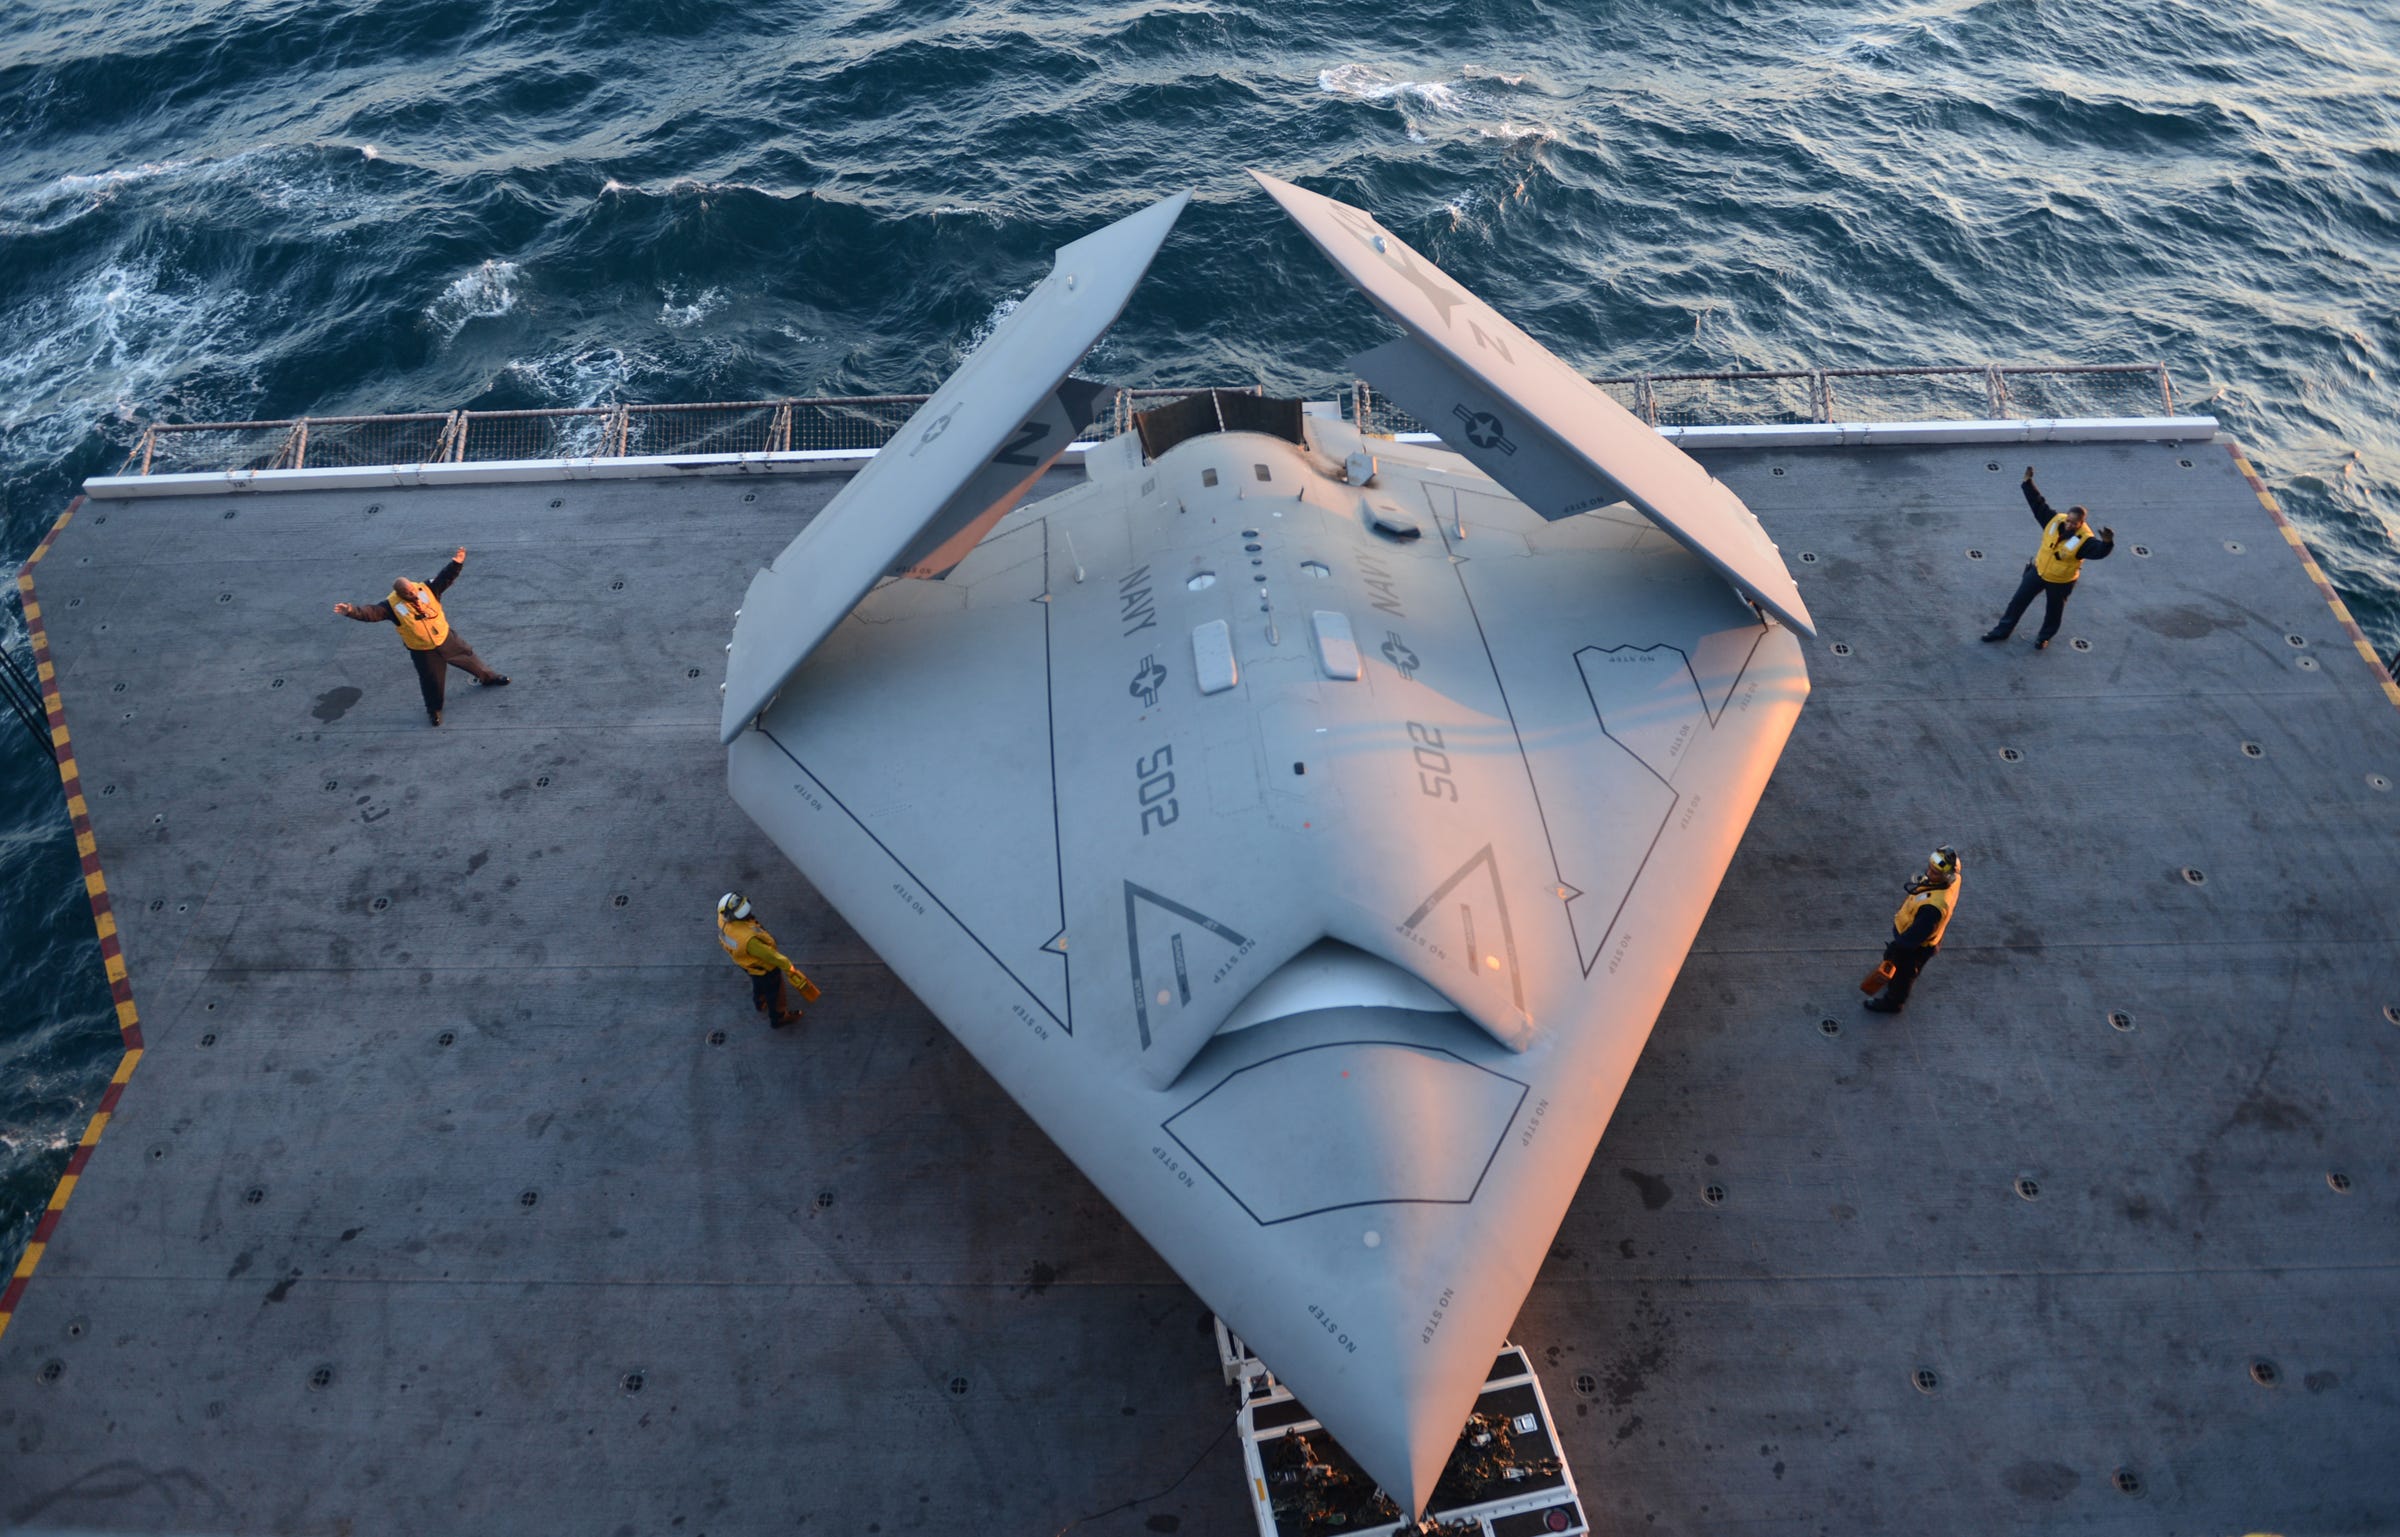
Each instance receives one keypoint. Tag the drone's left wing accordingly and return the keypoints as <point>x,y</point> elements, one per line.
<point>953,470</point>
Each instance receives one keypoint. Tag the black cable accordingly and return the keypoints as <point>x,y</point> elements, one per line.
<point>19,686</point>
<point>23,700</point>
<point>1147,1498</point>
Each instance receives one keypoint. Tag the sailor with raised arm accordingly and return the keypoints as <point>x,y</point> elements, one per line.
<point>2067,542</point>
<point>433,647</point>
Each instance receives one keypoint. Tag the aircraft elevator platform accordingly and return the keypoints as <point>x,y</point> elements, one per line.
<point>457,1188</point>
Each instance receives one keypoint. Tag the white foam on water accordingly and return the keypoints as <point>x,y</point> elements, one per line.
<point>1370,82</point>
<point>483,292</point>
<point>286,176</point>
<point>585,376</point>
<point>1427,107</point>
<point>64,199</point>
<point>991,322</point>
<point>22,1145</point>
<point>111,344</point>
<point>685,316</point>
<point>14,639</point>
<point>109,181</point>
<point>695,184</point>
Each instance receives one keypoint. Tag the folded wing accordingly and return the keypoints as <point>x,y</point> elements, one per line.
<point>1525,418</point>
<point>957,466</point>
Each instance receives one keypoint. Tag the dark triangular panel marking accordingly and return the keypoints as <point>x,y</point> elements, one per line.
<point>1176,951</point>
<point>1469,922</point>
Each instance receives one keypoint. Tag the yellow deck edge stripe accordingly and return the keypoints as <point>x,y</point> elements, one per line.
<point>94,884</point>
<point>2316,573</point>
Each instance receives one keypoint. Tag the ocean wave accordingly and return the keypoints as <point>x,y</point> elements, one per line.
<point>685,315</point>
<point>22,1144</point>
<point>1369,82</point>
<point>117,342</point>
<point>483,292</point>
<point>991,322</point>
<point>691,186</point>
<point>285,177</point>
<point>584,376</point>
<point>62,200</point>
<point>97,183</point>
<point>1471,102</point>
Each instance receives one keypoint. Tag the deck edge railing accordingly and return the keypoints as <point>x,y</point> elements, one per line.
<point>1756,398</point>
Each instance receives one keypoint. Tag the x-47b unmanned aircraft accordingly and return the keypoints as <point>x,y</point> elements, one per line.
<point>1305,829</point>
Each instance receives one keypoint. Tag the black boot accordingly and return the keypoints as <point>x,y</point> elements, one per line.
<point>1882,1006</point>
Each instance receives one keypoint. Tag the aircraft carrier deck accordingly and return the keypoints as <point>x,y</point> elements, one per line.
<point>458,1189</point>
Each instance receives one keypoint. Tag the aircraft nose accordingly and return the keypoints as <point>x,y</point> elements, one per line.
<point>1396,1405</point>
<point>1403,1442</point>
<point>1386,1273</point>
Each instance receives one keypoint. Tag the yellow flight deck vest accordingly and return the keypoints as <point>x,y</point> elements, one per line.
<point>2057,560</point>
<point>1944,901</point>
<point>422,623</point>
<point>735,935</point>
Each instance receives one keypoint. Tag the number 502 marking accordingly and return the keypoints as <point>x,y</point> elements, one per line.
<point>1433,764</point>
<point>1156,774</point>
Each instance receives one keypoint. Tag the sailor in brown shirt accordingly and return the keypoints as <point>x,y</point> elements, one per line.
<point>433,647</point>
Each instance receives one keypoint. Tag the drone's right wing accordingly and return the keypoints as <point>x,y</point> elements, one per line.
<point>1523,417</point>
<point>958,465</point>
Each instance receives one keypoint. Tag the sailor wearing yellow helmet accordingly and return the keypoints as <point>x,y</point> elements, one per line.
<point>1926,906</point>
<point>433,647</point>
<point>752,948</point>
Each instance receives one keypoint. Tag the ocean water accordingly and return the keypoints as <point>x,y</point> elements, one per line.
<point>215,209</point>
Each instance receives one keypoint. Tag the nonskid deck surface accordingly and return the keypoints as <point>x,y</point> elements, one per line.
<point>444,1002</point>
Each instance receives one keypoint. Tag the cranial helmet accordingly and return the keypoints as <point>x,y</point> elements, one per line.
<point>1944,863</point>
<point>733,905</point>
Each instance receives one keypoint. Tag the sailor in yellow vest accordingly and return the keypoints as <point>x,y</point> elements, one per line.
<point>433,647</point>
<point>753,949</point>
<point>2067,542</point>
<point>1925,908</point>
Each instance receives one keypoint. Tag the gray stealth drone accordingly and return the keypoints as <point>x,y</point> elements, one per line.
<point>1305,829</point>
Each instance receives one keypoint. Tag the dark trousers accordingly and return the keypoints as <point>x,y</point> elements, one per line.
<point>434,666</point>
<point>2054,599</point>
<point>1907,961</point>
<point>766,994</point>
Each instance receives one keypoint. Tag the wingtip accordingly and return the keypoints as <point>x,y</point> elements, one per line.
<point>1170,208</point>
<point>1276,187</point>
